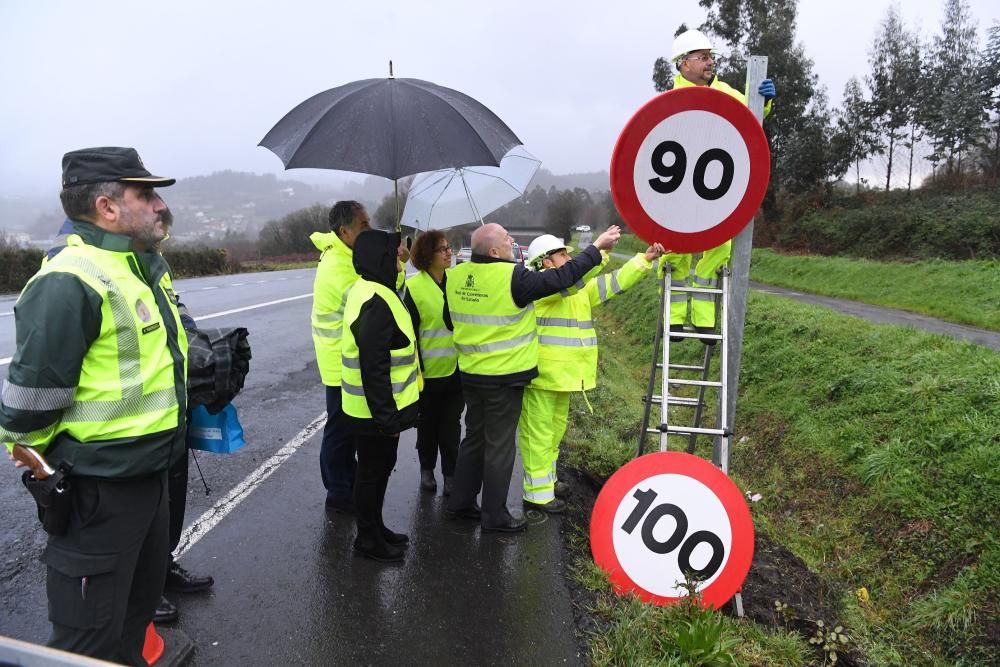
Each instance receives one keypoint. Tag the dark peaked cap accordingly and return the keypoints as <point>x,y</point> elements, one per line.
<point>108,164</point>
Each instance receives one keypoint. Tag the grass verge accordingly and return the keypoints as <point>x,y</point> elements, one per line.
<point>959,291</point>
<point>874,449</point>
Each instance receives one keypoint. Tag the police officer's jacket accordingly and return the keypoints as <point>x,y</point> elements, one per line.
<point>381,376</point>
<point>99,376</point>
<point>490,301</point>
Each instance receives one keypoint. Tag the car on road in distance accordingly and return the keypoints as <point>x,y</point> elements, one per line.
<point>464,255</point>
<point>583,228</point>
<point>520,253</point>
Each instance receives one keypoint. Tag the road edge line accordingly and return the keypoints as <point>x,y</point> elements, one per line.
<point>215,514</point>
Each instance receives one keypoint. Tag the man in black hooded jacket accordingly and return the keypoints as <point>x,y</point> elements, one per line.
<point>380,383</point>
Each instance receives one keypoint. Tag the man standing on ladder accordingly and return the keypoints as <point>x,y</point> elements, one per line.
<point>695,62</point>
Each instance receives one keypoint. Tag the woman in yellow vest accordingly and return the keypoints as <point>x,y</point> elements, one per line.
<point>380,383</point>
<point>567,362</point>
<point>441,401</point>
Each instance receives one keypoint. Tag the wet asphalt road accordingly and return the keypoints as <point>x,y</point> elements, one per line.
<point>288,588</point>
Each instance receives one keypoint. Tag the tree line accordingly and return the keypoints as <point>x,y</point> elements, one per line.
<point>942,92</point>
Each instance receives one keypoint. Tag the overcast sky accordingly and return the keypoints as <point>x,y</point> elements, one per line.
<point>195,85</point>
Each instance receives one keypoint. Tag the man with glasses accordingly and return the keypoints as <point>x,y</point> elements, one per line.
<point>692,54</point>
<point>490,302</point>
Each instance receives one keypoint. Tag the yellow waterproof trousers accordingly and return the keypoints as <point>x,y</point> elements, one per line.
<point>702,305</point>
<point>540,430</point>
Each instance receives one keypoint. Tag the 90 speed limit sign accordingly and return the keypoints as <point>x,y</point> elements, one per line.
<point>666,514</point>
<point>690,169</point>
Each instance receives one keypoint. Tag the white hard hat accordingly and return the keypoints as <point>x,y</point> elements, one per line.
<point>686,42</point>
<point>543,245</point>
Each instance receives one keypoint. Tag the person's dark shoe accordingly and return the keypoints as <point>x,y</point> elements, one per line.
<point>465,513</point>
<point>511,525</point>
<point>706,330</point>
<point>678,328</point>
<point>165,612</point>
<point>447,486</point>
<point>340,505</point>
<point>382,552</point>
<point>427,481</point>
<point>562,489</point>
<point>554,506</point>
<point>180,580</point>
<point>398,539</point>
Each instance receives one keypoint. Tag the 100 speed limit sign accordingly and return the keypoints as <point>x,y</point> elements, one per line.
<point>668,514</point>
<point>690,169</point>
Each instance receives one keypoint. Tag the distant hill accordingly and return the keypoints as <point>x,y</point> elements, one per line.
<point>595,181</point>
<point>240,203</point>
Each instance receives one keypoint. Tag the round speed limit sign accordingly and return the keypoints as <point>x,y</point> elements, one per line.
<point>690,169</point>
<point>666,514</point>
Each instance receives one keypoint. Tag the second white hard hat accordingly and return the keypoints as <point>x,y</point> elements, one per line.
<point>686,42</point>
<point>543,245</point>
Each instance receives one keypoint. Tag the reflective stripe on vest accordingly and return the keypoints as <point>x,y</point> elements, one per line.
<point>437,345</point>
<point>126,385</point>
<point>493,335</point>
<point>404,372</point>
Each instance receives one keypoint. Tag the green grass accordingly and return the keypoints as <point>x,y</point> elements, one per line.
<point>875,450</point>
<point>967,292</point>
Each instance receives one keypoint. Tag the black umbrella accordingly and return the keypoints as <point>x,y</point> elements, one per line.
<point>390,127</point>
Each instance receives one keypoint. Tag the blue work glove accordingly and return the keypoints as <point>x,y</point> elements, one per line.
<point>767,89</point>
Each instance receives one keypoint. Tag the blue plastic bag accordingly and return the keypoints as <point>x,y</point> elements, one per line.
<point>220,433</point>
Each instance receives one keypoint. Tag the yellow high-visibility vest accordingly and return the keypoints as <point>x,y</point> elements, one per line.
<point>437,346</point>
<point>493,335</point>
<point>404,371</point>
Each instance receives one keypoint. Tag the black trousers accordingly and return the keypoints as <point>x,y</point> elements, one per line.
<point>440,428</point>
<point>376,459</point>
<point>105,575</point>
<point>486,455</point>
<point>177,485</point>
<point>337,460</point>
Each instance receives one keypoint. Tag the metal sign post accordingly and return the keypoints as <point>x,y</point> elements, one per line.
<point>739,284</point>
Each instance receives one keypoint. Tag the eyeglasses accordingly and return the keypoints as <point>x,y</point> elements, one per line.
<point>703,57</point>
<point>444,248</point>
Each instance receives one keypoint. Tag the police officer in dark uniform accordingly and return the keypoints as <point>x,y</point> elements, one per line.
<point>98,383</point>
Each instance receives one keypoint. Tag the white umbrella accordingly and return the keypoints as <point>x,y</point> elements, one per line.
<point>451,197</point>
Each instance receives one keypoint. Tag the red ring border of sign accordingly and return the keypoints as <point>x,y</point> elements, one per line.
<point>651,114</point>
<point>602,527</point>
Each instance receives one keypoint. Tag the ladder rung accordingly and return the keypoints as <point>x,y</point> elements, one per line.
<point>700,336</point>
<point>682,367</point>
<point>697,290</point>
<point>695,383</point>
<point>688,430</point>
<point>676,400</point>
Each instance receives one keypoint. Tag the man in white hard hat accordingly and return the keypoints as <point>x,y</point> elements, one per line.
<point>693,55</point>
<point>567,362</point>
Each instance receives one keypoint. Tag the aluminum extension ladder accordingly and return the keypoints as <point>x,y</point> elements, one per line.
<point>680,375</point>
<point>722,432</point>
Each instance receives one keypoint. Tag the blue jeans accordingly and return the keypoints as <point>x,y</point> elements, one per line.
<point>337,460</point>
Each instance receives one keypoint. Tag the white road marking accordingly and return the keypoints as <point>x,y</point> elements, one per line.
<point>6,360</point>
<point>237,284</point>
<point>211,518</point>
<point>208,288</point>
<point>199,318</point>
<point>6,314</point>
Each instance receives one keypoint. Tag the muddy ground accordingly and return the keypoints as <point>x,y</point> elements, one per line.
<point>775,574</point>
